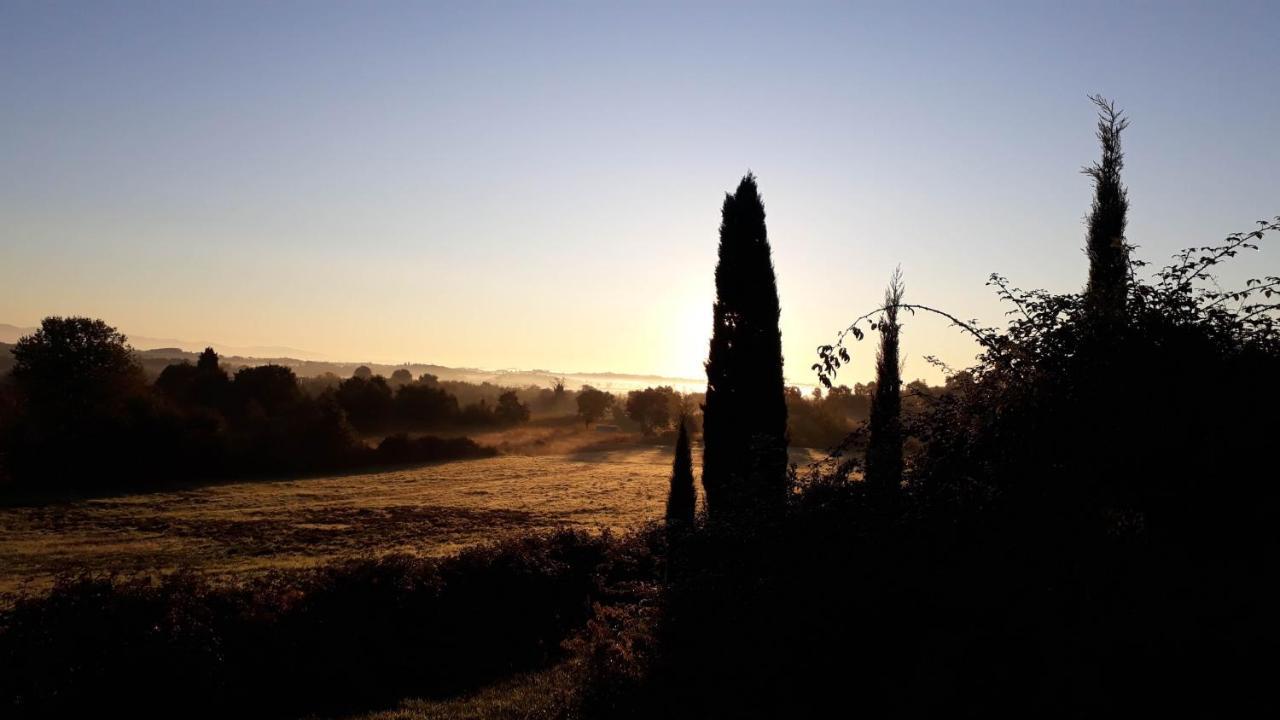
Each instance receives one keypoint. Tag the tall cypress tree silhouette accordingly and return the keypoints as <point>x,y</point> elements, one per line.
<point>1106,248</point>
<point>884,450</point>
<point>745,415</point>
<point>682,497</point>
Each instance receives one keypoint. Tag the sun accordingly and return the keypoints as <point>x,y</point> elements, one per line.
<point>688,344</point>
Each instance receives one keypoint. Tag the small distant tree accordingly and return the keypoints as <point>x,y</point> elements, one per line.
<point>401,376</point>
<point>593,404</point>
<point>272,388</point>
<point>510,410</point>
<point>682,497</point>
<point>363,372</point>
<point>477,414</point>
<point>651,408</point>
<point>368,402</point>
<point>884,452</point>
<point>204,384</point>
<point>425,405</point>
<point>208,360</point>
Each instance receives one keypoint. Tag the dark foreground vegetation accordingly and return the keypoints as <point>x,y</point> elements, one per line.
<point>349,636</point>
<point>1053,534</point>
<point>1057,534</point>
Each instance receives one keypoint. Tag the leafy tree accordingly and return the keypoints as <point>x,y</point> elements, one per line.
<point>884,453</point>
<point>208,360</point>
<point>271,388</point>
<point>509,410</point>
<point>204,384</point>
<point>682,497</point>
<point>651,408</point>
<point>367,402</point>
<point>79,395</point>
<point>477,414</point>
<point>174,382</point>
<point>593,404</point>
<point>812,422</point>
<point>74,365</point>
<point>425,405</point>
<point>363,373</point>
<point>745,414</point>
<point>401,376</point>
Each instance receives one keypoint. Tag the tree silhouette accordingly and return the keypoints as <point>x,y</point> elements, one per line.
<point>75,364</point>
<point>208,360</point>
<point>884,453</point>
<point>592,404</point>
<point>509,409</point>
<point>682,497</point>
<point>651,408</point>
<point>272,388</point>
<point>367,402</point>
<point>1108,253</point>
<point>745,414</point>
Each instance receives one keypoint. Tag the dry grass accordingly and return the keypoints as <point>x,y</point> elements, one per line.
<point>238,529</point>
<point>543,695</point>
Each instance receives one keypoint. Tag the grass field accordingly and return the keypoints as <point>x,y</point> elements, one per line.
<point>230,530</point>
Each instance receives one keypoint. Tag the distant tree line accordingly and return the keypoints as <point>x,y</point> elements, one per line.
<point>375,404</point>
<point>77,412</point>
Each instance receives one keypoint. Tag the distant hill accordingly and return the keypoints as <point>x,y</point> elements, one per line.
<point>156,353</point>
<point>6,357</point>
<point>155,360</point>
<point>11,333</point>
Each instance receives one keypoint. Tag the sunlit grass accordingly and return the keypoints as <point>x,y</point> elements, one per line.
<point>236,530</point>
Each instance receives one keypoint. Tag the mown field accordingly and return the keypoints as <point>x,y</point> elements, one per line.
<point>235,529</point>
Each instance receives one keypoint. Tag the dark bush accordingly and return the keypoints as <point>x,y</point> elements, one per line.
<point>400,448</point>
<point>342,637</point>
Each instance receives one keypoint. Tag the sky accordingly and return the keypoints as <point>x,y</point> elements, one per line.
<point>538,185</point>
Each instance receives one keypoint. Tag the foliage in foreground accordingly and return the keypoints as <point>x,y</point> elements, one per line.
<point>343,637</point>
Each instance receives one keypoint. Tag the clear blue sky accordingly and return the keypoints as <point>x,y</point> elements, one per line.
<point>538,184</point>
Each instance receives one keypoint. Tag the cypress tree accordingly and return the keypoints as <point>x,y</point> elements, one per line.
<point>745,415</point>
<point>884,451</point>
<point>1102,364</point>
<point>1105,246</point>
<point>682,498</point>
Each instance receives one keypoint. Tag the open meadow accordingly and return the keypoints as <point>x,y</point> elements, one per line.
<point>233,530</point>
